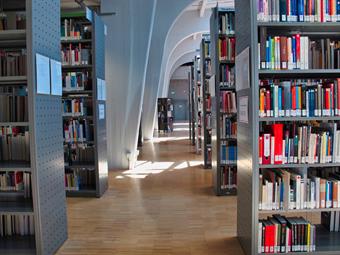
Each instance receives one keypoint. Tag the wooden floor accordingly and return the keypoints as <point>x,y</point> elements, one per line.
<point>164,206</point>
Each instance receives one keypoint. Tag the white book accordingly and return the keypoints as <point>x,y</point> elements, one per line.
<point>313,195</point>
<point>270,195</point>
<point>298,191</point>
<point>336,227</point>
<point>272,149</point>
<point>332,222</point>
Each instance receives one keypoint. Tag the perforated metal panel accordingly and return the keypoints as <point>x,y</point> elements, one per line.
<point>45,125</point>
<point>247,134</point>
<point>100,129</point>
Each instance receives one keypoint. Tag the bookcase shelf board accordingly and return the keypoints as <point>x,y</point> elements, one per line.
<point>223,101</point>
<point>295,205</point>
<point>84,96</point>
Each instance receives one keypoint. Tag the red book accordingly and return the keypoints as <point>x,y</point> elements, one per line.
<point>260,149</point>
<point>277,130</point>
<point>298,51</point>
<point>224,48</point>
<point>293,98</point>
<point>266,149</point>
<point>332,96</point>
<point>322,11</point>
<point>309,11</point>
<point>232,40</point>
<point>327,99</point>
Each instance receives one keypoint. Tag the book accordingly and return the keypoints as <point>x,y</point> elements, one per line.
<point>299,98</point>
<point>298,11</point>
<point>14,144</point>
<point>16,181</point>
<point>298,52</point>
<point>227,23</point>
<point>228,152</point>
<point>301,144</point>
<point>228,177</point>
<point>228,102</point>
<point>16,225</point>
<point>280,234</point>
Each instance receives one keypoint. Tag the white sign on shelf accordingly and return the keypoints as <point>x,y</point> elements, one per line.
<point>244,110</point>
<point>101,110</point>
<point>56,78</point>
<point>242,70</point>
<point>43,74</point>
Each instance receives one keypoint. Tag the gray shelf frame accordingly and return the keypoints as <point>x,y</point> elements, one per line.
<point>48,203</point>
<point>248,213</point>
<point>99,125</point>
<point>215,101</point>
<point>204,81</point>
<point>198,104</point>
<point>192,119</point>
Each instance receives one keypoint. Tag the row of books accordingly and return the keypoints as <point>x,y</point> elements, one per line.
<point>272,186</point>
<point>301,191</point>
<point>13,21</point>
<point>16,181</point>
<point>76,55</point>
<point>298,11</point>
<point>299,98</point>
<point>227,76</point>
<point>13,62</point>
<point>299,143</point>
<point>77,131</point>
<point>228,102</point>
<point>226,49</point>
<point>280,234</point>
<point>13,108</point>
<point>16,225</point>
<point>74,107</point>
<point>228,128</point>
<point>14,146</point>
<point>228,152</point>
<point>227,23</point>
<point>74,29</point>
<point>77,155</point>
<point>77,81</point>
<point>228,177</point>
<point>298,52</point>
<point>79,179</point>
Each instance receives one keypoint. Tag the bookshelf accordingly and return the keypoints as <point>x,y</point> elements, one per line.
<point>165,115</point>
<point>192,117</point>
<point>198,105</point>
<point>84,103</point>
<point>33,194</point>
<point>205,76</point>
<point>223,101</point>
<point>252,169</point>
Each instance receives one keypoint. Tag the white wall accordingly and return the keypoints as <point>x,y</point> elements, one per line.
<point>166,14</point>
<point>127,54</point>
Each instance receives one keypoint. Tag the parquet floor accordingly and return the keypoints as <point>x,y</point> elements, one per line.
<point>164,207</point>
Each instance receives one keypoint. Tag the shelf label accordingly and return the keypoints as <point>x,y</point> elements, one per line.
<point>101,111</point>
<point>43,74</point>
<point>243,109</point>
<point>56,78</point>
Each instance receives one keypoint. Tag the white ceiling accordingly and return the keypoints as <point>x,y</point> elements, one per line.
<point>70,4</point>
<point>210,4</point>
